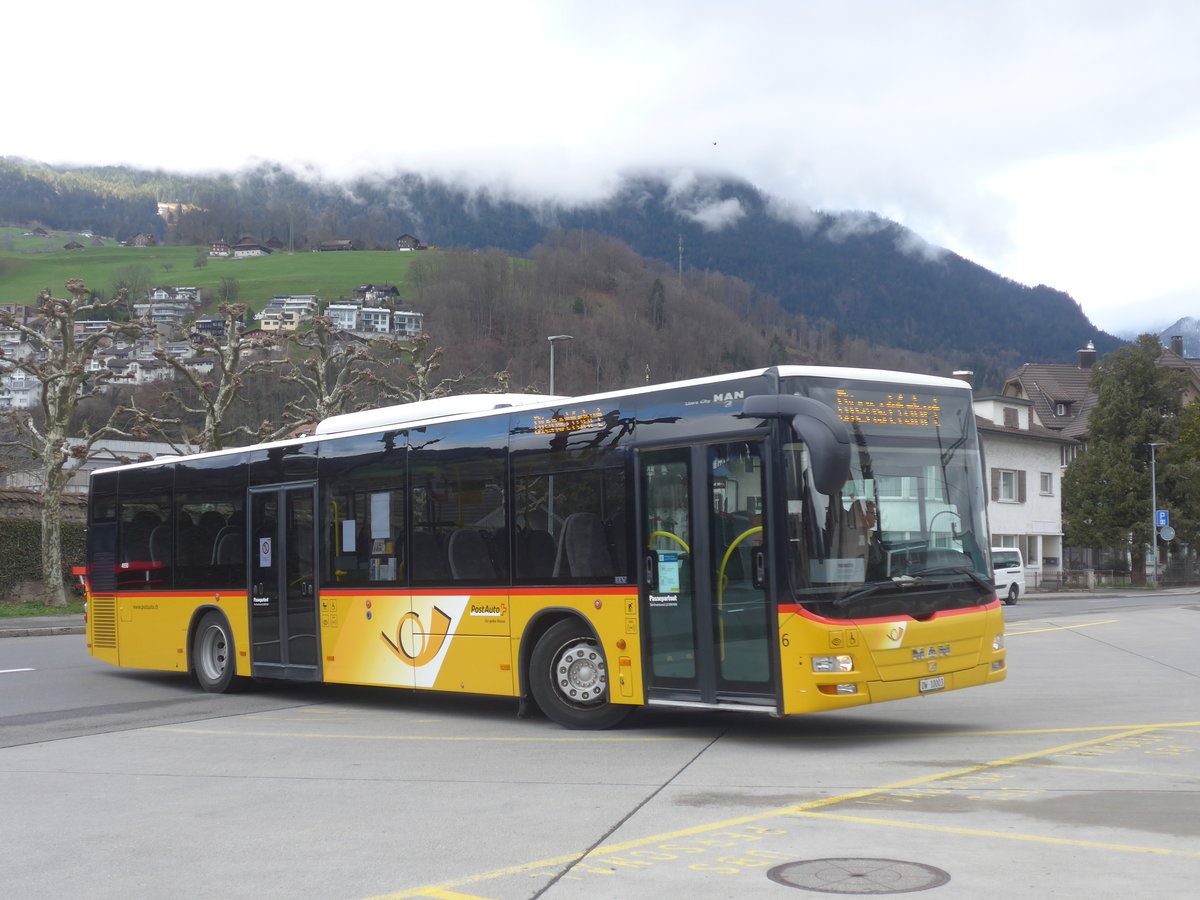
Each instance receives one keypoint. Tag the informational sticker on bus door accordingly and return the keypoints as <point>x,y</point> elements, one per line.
<point>264,553</point>
<point>668,573</point>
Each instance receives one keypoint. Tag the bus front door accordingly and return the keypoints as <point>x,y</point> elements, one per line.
<point>283,602</point>
<point>703,572</point>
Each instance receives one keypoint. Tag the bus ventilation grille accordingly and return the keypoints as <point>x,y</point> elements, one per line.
<point>102,612</point>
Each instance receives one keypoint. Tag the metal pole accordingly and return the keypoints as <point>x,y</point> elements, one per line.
<point>1154,508</point>
<point>554,339</point>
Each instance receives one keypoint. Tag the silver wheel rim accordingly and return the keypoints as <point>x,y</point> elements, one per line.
<point>580,674</point>
<point>214,653</point>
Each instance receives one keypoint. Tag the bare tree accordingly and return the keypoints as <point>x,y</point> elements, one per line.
<point>333,366</point>
<point>421,384</point>
<point>59,363</point>
<point>228,359</point>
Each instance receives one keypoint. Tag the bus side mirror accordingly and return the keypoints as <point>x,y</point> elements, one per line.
<point>825,435</point>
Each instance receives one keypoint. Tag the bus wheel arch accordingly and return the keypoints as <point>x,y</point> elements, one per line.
<point>565,671</point>
<point>212,657</point>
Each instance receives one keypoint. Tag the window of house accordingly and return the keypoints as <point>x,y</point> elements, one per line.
<point>1060,409</point>
<point>1047,484</point>
<point>1008,486</point>
<point>1033,550</point>
<point>1010,418</point>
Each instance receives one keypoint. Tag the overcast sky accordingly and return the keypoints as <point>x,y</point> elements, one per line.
<point>1052,141</point>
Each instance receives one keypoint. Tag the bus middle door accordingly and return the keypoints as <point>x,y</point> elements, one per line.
<point>283,600</point>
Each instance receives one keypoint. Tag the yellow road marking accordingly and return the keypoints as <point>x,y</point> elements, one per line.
<point>1033,765</point>
<point>1060,628</point>
<point>977,832</point>
<point>805,809</point>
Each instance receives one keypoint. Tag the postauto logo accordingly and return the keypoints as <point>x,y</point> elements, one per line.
<point>416,645</point>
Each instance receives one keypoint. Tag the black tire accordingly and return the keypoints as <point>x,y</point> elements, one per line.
<point>568,677</point>
<point>1013,593</point>
<point>214,662</point>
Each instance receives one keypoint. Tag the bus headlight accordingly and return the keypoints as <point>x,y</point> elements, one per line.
<point>998,642</point>
<point>833,663</point>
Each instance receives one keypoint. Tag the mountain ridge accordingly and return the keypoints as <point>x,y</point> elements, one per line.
<point>865,275</point>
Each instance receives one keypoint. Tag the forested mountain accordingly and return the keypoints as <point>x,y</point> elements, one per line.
<point>865,276</point>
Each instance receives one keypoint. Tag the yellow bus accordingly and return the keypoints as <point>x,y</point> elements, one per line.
<point>779,541</point>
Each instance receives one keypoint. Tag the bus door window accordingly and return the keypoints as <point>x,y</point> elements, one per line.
<point>667,561</point>
<point>738,565</point>
<point>264,586</point>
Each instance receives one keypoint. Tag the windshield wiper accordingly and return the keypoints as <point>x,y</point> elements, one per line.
<point>983,584</point>
<point>900,581</point>
<point>913,580</point>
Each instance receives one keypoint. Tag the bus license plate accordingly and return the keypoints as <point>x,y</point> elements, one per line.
<point>933,684</point>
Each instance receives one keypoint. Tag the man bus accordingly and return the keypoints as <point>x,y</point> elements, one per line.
<point>780,541</point>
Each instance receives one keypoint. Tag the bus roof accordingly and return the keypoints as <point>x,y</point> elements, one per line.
<point>470,406</point>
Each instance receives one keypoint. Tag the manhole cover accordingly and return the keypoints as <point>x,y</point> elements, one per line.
<point>858,876</point>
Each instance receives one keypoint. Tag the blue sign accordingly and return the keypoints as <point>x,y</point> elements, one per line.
<point>1162,518</point>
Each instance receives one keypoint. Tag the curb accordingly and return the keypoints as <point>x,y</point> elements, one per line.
<point>41,632</point>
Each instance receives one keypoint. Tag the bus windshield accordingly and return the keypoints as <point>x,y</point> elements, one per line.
<point>906,532</point>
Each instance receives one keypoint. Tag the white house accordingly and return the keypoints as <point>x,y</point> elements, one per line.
<point>1024,463</point>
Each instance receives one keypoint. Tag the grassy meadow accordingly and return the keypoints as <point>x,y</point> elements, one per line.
<point>30,264</point>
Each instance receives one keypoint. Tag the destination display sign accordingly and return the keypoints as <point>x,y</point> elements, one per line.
<point>909,409</point>
<point>569,421</point>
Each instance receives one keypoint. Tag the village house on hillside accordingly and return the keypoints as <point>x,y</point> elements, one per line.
<point>288,313</point>
<point>220,249</point>
<point>408,242</point>
<point>328,246</point>
<point>248,247</point>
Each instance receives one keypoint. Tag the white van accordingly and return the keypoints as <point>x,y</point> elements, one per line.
<point>1008,572</point>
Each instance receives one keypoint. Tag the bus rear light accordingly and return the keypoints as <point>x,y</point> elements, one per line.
<point>833,663</point>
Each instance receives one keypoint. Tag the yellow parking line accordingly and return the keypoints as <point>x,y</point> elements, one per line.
<point>1033,765</point>
<point>977,832</point>
<point>805,809</point>
<point>1060,628</point>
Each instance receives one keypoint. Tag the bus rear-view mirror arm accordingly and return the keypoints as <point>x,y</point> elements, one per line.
<point>826,436</point>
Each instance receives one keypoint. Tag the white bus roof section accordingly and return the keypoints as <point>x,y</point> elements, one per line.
<point>428,409</point>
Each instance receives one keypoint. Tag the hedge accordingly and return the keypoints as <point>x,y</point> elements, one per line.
<point>22,556</point>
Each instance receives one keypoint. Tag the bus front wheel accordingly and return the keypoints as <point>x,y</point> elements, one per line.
<point>568,677</point>
<point>213,659</point>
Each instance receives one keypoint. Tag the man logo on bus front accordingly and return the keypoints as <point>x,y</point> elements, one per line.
<point>414,645</point>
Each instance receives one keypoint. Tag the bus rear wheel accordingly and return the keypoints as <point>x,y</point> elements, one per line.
<point>568,677</point>
<point>213,658</point>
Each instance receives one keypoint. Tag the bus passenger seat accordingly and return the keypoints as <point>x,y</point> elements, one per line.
<point>160,545</point>
<point>428,559</point>
<point>583,548</point>
<point>468,555</point>
<point>229,548</point>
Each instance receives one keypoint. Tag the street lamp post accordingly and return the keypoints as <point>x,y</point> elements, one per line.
<point>554,339</point>
<point>1154,445</point>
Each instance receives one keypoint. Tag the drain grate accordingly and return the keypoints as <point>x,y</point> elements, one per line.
<point>858,876</point>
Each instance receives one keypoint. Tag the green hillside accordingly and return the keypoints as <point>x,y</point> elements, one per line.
<point>27,265</point>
